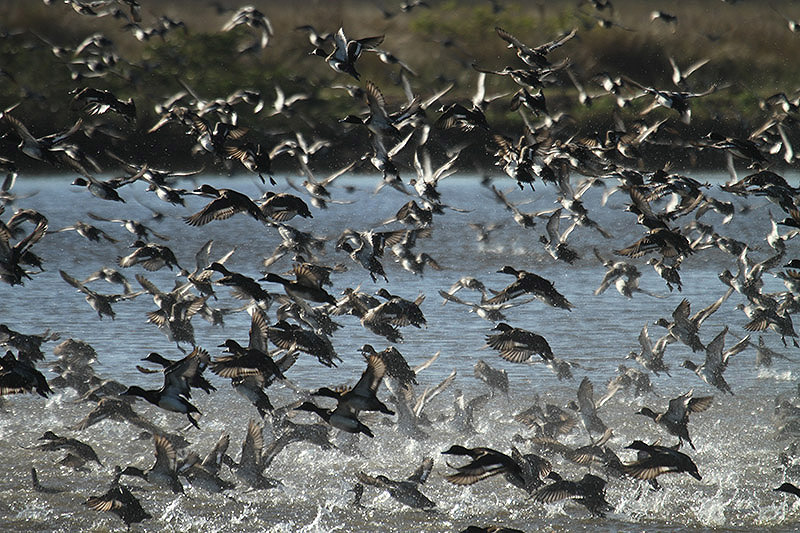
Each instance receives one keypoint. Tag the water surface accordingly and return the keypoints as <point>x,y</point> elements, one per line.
<point>737,440</point>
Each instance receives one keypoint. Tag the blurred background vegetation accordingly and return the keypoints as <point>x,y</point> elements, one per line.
<point>750,44</point>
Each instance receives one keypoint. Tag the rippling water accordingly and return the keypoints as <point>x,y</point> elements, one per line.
<point>737,442</point>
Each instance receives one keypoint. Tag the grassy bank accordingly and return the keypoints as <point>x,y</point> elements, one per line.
<point>749,47</point>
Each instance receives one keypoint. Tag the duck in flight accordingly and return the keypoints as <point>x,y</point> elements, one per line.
<point>676,419</point>
<point>530,283</point>
<point>406,491</point>
<point>225,204</point>
<point>655,460</point>
<point>518,345</point>
<point>711,370</point>
<point>174,393</point>
<point>119,500</point>
<point>589,491</point>
<point>362,397</point>
<point>346,52</point>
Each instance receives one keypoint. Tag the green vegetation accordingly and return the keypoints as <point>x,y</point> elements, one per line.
<point>750,49</point>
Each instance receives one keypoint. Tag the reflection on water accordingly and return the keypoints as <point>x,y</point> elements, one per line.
<point>738,439</point>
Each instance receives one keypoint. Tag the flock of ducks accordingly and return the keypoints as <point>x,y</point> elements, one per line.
<point>293,315</point>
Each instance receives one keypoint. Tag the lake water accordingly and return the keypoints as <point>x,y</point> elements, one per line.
<point>737,440</point>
